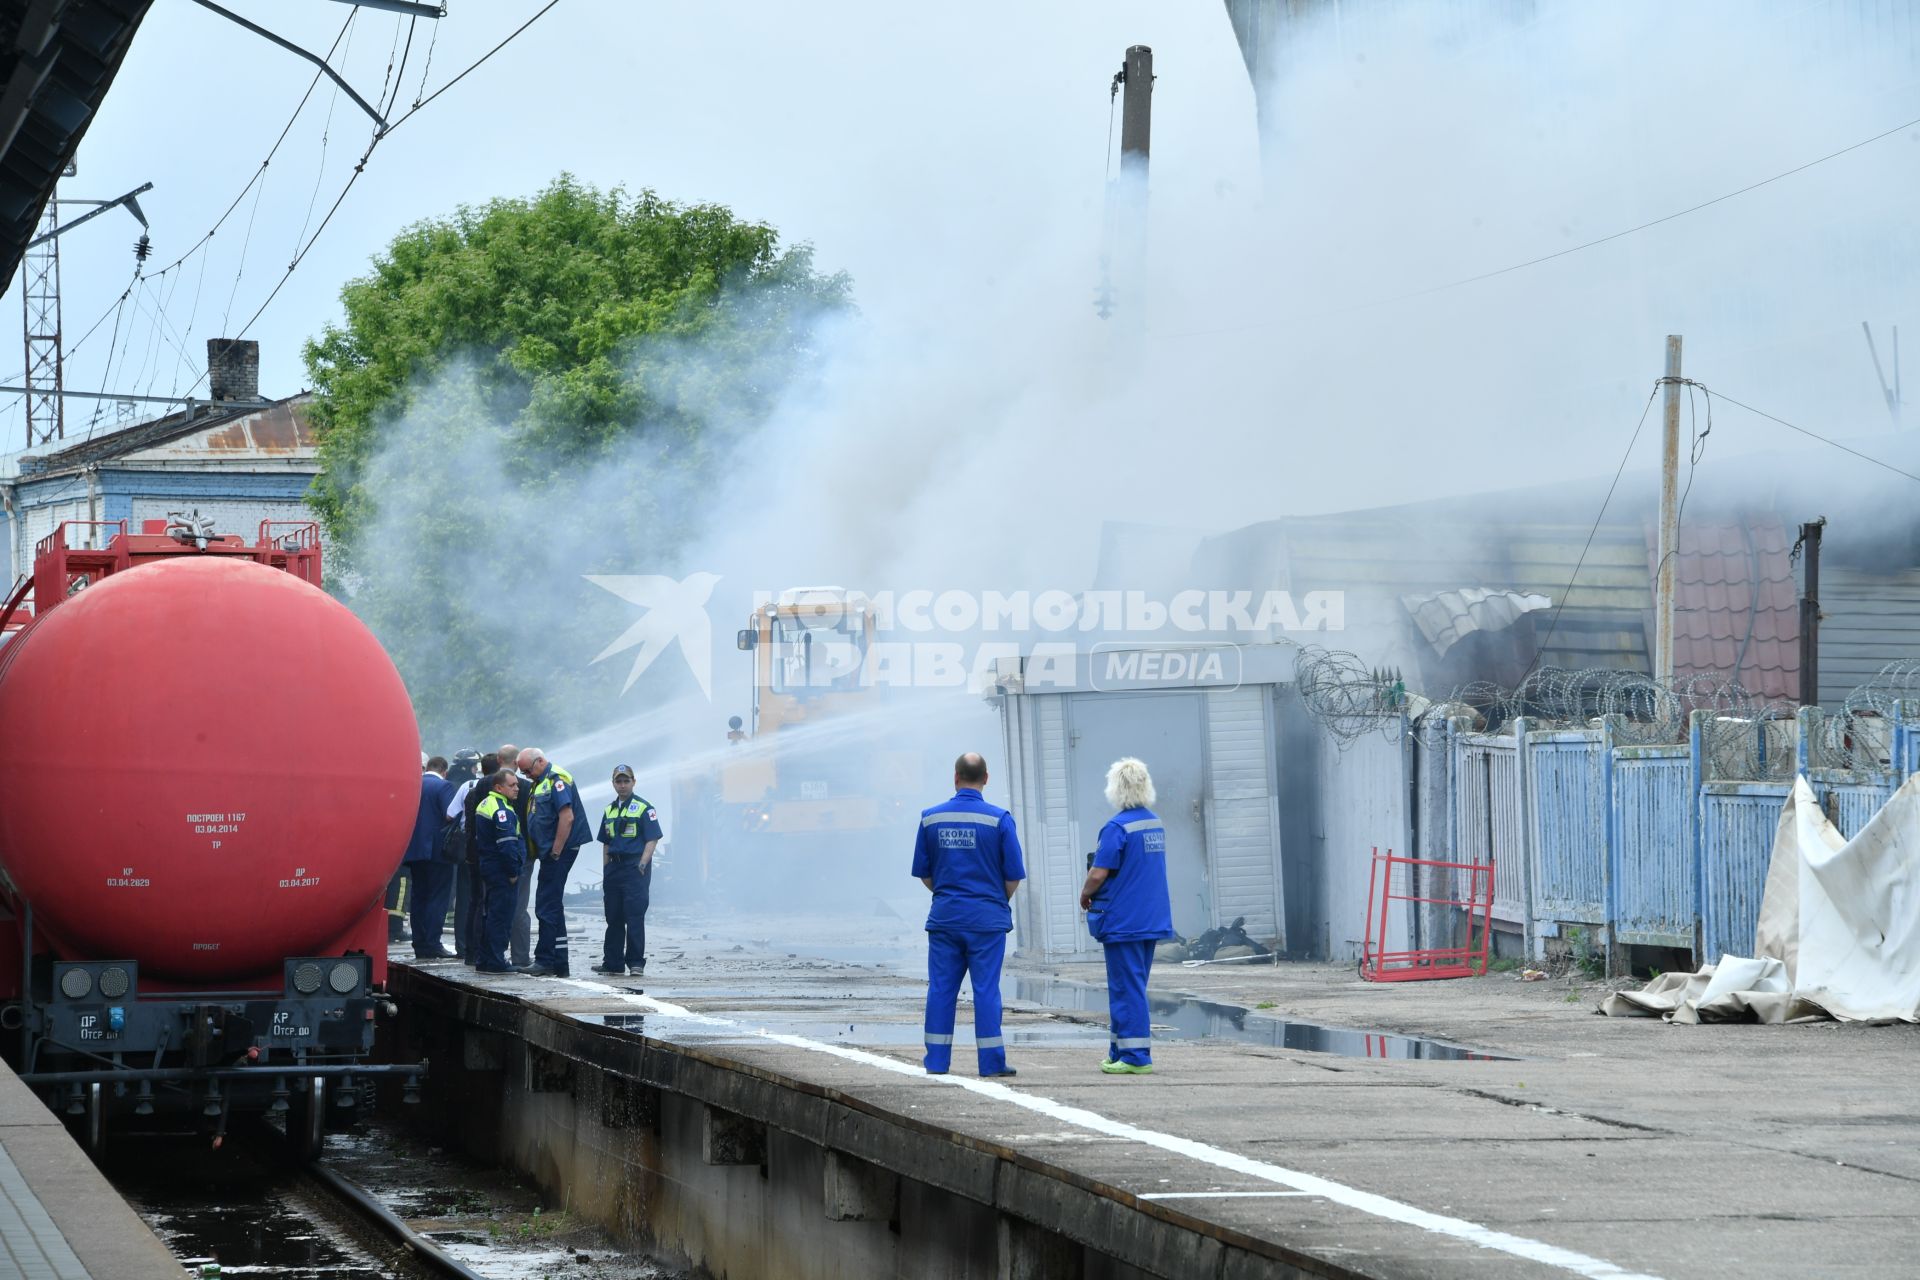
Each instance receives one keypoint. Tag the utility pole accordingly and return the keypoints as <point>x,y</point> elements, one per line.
<point>1809,547</point>
<point>1669,518</point>
<point>46,388</point>
<point>40,329</point>
<point>1136,111</point>
<point>1123,257</point>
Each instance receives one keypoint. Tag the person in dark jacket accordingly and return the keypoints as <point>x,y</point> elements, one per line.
<point>456,844</point>
<point>432,885</point>
<point>629,833</point>
<point>503,864</point>
<point>521,937</point>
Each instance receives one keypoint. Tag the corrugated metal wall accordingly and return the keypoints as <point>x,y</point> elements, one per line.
<point>1241,822</point>
<point>1244,823</point>
<point>1363,804</point>
<point>1867,620</point>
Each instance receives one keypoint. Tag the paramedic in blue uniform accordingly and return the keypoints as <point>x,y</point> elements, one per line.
<point>968,853</point>
<point>1129,911</point>
<point>629,831</point>
<point>558,824</point>
<point>502,861</point>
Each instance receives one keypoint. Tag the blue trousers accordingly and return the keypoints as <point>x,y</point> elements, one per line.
<point>952,955</point>
<point>549,909</point>
<point>1127,966</point>
<point>432,894</point>
<point>497,894</point>
<point>626,889</point>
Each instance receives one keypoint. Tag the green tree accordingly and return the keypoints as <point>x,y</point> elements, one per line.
<point>517,395</point>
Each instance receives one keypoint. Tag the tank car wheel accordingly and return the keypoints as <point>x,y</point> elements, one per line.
<point>307,1121</point>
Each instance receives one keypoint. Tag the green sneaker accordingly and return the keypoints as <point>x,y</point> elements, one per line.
<point>1113,1068</point>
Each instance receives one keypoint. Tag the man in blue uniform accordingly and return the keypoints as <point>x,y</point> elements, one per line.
<point>432,885</point>
<point>1129,911</point>
<point>629,831</point>
<point>503,854</point>
<point>558,824</point>
<point>968,854</point>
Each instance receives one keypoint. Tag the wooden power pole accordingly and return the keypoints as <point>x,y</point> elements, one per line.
<point>1136,110</point>
<point>1669,518</point>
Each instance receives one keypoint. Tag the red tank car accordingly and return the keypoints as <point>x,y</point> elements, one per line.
<point>213,769</point>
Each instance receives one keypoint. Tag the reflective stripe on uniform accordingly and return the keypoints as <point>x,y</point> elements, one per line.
<point>936,1038</point>
<point>1144,824</point>
<point>991,1042</point>
<point>1135,1042</point>
<point>984,819</point>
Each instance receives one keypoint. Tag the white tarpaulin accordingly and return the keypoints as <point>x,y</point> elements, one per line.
<point>1839,930</point>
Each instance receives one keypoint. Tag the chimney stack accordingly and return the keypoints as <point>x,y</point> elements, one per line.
<point>233,369</point>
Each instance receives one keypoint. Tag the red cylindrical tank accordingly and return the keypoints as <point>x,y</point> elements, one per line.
<point>210,766</point>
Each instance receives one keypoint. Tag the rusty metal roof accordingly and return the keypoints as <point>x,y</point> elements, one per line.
<point>277,429</point>
<point>57,61</point>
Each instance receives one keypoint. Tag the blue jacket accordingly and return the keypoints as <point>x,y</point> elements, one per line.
<point>555,791</point>
<point>969,849</point>
<point>496,830</point>
<point>435,792</point>
<point>1133,904</point>
<point>627,829</point>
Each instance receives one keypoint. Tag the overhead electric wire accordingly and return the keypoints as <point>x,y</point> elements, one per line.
<point>1509,269</point>
<point>379,136</point>
<point>1812,435</point>
<point>1592,533</point>
<point>271,152</point>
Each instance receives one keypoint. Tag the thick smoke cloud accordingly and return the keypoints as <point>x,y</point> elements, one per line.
<point>976,423</point>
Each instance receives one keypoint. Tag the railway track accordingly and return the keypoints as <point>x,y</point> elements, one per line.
<point>249,1210</point>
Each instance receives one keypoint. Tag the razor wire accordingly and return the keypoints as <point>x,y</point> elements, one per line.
<point>1746,736</point>
<point>1348,697</point>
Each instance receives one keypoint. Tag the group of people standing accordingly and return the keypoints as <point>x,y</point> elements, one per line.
<point>497,834</point>
<point>968,854</point>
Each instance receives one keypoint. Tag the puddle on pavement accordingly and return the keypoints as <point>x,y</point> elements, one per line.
<point>1185,1018</point>
<point>748,1027</point>
<point>1173,1019</point>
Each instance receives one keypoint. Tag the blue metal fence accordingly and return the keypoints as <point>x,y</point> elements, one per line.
<point>1643,842</point>
<point>1652,846</point>
<point>1566,776</point>
<point>1737,825</point>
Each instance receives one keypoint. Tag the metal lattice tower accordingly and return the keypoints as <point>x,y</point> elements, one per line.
<point>40,304</point>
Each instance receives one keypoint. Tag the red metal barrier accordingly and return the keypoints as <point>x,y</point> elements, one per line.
<point>1464,892</point>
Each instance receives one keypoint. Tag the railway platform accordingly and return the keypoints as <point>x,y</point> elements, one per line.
<point>59,1218</point>
<point>759,1110</point>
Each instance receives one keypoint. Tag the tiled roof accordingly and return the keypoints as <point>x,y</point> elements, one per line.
<point>1735,602</point>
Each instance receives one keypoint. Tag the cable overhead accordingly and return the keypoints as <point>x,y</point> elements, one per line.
<point>1561,603</point>
<point>379,136</point>
<point>1482,276</point>
<point>1812,435</point>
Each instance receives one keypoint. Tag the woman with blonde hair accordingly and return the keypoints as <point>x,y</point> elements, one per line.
<point>1129,911</point>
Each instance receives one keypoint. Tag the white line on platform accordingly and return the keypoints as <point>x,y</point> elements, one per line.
<point>1379,1206</point>
<point>1221,1195</point>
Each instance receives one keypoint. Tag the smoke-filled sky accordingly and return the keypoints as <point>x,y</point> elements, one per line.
<point>976,422</point>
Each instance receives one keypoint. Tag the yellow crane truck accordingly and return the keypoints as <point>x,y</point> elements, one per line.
<point>816,781</point>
